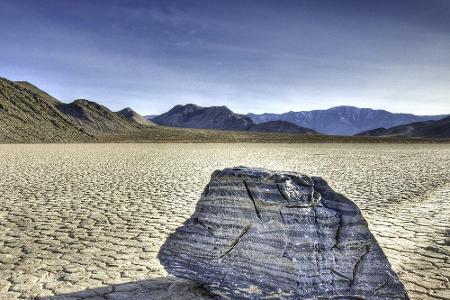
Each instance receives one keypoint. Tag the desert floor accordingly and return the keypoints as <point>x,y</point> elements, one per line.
<point>87,220</point>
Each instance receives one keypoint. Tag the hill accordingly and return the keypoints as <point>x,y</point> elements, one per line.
<point>29,115</point>
<point>281,127</point>
<point>343,120</point>
<point>133,116</point>
<point>214,117</point>
<point>96,118</point>
<point>427,129</point>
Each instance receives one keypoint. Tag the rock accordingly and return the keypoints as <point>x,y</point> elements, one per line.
<point>263,234</point>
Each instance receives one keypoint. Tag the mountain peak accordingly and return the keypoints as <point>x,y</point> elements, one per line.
<point>127,109</point>
<point>213,117</point>
<point>132,116</point>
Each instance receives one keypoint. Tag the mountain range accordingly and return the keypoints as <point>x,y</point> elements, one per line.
<point>429,129</point>
<point>343,120</point>
<point>28,114</point>
<point>221,118</point>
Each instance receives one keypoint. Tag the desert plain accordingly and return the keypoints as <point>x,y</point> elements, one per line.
<point>86,221</point>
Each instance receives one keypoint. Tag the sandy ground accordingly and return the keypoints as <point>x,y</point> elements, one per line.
<point>86,221</point>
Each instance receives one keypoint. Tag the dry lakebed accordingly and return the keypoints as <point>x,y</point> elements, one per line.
<point>87,220</point>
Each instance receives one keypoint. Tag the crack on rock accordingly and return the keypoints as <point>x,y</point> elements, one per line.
<point>224,276</point>
<point>282,217</point>
<point>258,214</point>
<point>340,274</point>
<point>357,264</point>
<point>350,297</point>
<point>337,237</point>
<point>316,197</point>
<point>305,180</point>
<point>378,288</point>
<point>301,206</point>
<point>201,223</point>
<point>206,190</point>
<point>283,193</point>
<point>236,240</point>
<point>317,250</point>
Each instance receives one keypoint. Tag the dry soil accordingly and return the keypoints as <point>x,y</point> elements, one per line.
<point>87,220</point>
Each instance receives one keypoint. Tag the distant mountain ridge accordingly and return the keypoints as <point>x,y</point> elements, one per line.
<point>222,118</point>
<point>28,114</point>
<point>427,129</point>
<point>213,117</point>
<point>343,120</point>
<point>149,117</point>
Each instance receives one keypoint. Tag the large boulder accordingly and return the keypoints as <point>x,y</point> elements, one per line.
<point>264,234</point>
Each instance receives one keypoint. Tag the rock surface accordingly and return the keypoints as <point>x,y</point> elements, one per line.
<point>262,234</point>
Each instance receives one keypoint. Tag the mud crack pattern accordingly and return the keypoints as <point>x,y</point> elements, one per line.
<point>78,217</point>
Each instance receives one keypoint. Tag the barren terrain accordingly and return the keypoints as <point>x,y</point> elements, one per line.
<point>87,220</point>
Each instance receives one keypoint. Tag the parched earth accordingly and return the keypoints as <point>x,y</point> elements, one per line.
<point>86,221</point>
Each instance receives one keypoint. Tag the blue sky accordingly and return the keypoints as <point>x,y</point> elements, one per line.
<point>253,56</point>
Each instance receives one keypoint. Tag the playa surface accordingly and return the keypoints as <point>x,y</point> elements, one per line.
<point>87,220</point>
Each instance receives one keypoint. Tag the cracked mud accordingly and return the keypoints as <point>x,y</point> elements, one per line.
<point>87,221</point>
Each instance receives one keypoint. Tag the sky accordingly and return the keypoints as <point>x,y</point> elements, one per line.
<point>252,56</point>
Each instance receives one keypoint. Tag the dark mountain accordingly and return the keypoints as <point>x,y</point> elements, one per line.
<point>343,120</point>
<point>96,118</point>
<point>133,116</point>
<point>426,129</point>
<point>214,117</point>
<point>28,114</point>
<point>282,127</point>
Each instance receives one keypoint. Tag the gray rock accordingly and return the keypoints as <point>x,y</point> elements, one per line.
<point>262,234</point>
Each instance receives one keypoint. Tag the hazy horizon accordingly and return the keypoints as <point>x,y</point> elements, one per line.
<point>252,56</point>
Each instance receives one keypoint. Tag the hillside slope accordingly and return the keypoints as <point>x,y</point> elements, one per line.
<point>281,127</point>
<point>133,116</point>
<point>343,120</point>
<point>29,115</point>
<point>214,117</point>
<point>427,129</point>
<point>35,89</point>
<point>96,118</point>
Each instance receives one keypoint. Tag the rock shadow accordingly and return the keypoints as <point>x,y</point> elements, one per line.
<point>166,288</point>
